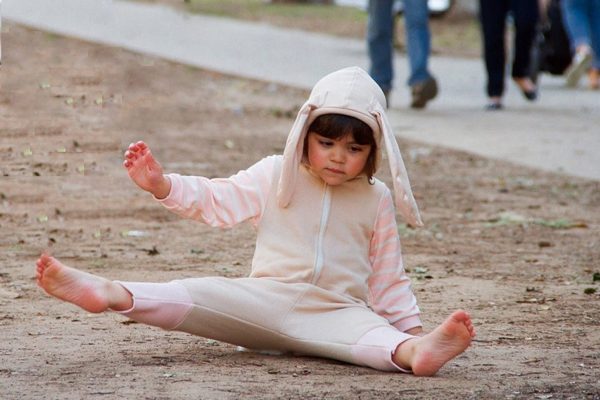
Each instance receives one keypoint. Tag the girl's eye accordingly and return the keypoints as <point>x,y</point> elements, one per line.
<point>356,149</point>
<point>325,143</point>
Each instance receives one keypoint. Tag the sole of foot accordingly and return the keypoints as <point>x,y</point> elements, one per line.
<point>71,285</point>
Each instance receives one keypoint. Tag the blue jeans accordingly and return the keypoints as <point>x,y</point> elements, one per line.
<point>582,21</point>
<point>380,34</point>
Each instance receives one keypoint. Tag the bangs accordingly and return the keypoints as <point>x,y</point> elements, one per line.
<point>336,126</point>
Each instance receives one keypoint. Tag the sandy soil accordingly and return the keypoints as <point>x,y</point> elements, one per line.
<point>516,247</point>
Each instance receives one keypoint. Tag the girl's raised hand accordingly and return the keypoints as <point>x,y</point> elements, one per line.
<point>145,171</point>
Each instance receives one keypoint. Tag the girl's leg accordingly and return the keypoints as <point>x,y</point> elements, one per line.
<point>377,348</point>
<point>387,349</point>
<point>165,305</point>
<point>245,312</point>
<point>325,324</point>
<point>159,304</point>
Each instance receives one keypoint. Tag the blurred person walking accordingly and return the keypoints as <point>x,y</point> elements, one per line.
<point>582,20</point>
<point>493,16</point>
<point>380,38</point>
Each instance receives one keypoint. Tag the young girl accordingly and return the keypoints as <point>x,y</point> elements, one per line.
<point>327,278</point>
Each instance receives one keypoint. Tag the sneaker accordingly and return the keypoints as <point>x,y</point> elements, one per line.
<point>581,62</point>
<point>423,92</point>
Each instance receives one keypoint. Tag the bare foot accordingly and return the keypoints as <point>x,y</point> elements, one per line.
<point>427,354</point>
<point>90,292</point>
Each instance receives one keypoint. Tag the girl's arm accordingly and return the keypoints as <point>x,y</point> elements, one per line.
<point>390,287</point>
<point>222,202</point>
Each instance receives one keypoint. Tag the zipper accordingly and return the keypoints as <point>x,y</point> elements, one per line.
<point>326,203</point>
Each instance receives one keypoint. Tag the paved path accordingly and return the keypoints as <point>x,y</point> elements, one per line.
<point>560,133</point>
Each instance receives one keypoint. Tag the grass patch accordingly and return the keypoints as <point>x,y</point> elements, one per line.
<point>334,20</point>
<point>453,35</point>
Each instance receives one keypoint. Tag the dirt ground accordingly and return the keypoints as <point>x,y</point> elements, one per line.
<point>518,248</point>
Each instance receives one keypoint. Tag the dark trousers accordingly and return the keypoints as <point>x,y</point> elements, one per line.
<point>493,14</point>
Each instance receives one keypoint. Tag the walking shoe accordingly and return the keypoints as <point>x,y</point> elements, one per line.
<point>527,88</point>
<point>422,92</point>
<point>581,62</point>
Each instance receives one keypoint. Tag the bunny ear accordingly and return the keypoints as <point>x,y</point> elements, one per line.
<point>292,156</point>
<point>405,202</point>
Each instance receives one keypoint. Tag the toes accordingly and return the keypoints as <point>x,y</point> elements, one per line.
<point>132,150</point>
<point>131,154</point>
<point>41,262</point>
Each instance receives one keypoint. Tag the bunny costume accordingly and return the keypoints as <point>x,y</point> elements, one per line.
<point>327,277</point>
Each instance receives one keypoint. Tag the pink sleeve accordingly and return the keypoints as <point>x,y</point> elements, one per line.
<point>390,287</point>
<point>222,202</point>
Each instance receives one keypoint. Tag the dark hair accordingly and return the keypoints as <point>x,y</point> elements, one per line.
<point>336,126</point>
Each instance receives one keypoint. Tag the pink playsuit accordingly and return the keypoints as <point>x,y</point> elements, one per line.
<point>327,278</point>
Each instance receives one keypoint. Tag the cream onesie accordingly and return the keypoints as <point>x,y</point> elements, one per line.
<point>327,277</point>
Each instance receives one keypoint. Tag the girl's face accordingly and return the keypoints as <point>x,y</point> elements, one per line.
<point>336,161</point>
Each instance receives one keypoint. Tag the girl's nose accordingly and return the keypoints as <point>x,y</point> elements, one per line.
<point>338,155</point>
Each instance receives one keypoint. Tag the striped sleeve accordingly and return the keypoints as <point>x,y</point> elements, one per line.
<point>389,286</point>
<point>222,202</point>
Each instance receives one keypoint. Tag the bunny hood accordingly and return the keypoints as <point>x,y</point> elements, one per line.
<point>349,91</point>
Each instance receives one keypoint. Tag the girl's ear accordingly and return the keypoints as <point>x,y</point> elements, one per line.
<point>405,201</point>
<point>293,155</point>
